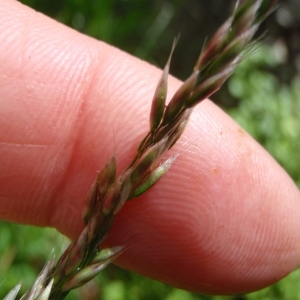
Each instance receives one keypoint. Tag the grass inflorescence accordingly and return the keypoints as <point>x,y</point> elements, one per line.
<point>85,258</point>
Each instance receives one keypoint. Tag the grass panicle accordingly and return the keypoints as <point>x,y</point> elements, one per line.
<point>84,259</point>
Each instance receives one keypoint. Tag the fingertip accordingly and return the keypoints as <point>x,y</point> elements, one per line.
<point>224,219</point>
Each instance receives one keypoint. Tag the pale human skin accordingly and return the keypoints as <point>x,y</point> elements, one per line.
<point>224,219</point>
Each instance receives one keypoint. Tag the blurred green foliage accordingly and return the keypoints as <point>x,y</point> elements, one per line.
<point>267,108</point>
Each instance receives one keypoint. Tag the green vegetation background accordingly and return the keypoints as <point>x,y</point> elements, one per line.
<point>264,105</point>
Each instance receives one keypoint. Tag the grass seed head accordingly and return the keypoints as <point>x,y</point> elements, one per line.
<point>81,261</point>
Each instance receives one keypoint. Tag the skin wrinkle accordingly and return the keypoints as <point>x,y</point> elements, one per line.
<point>84,118</point>
<point>78,124</point>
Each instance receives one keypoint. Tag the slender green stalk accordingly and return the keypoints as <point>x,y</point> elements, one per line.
<point>84,259</point>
